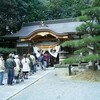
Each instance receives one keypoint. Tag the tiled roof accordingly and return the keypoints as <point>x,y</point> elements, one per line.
<point>59,28</point>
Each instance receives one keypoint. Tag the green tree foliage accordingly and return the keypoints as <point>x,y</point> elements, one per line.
<point>89,46</point>
<point>35,11</point>
<point>13,13</point>
<point>77,6</point>
<point>55,8</point>
<point>65,8</point>
<point>7,50</point>
<point>96,3</point>
<point>84,46</point>
<point>71,60</point>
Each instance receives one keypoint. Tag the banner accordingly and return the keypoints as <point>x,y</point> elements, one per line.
<point>52,51</point>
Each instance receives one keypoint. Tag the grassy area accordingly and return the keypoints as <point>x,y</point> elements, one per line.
<point>87,75</point>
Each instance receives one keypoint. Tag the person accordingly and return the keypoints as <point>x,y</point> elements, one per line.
<point>41,61</point>
<point>35,63</point>
<point>31,64</point>
<point>33,59</point>
<point>26,66</point>
<point>51,61</point>
<point>2,68</point>
<point>10,64</point>
<point>46,60</point>
<point>17,68</point>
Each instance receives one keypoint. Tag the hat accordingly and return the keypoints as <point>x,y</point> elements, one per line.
<point>10,55</point>
<point>24,55</point>
<point>16,56</point>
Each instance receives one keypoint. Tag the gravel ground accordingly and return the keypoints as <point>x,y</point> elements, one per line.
<point>56,86</point>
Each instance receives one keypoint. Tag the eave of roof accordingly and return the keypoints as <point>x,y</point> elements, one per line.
<point>60,28</point>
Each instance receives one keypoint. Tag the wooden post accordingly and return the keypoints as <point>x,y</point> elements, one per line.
<point>69,69</point>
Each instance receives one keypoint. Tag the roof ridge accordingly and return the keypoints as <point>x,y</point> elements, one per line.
<point>50,21</point>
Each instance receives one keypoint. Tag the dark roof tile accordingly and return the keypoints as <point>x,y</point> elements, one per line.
<point>59,28</point>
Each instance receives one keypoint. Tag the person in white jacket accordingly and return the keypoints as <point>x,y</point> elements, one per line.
<point>26,66</point>
<point>17,68</point>
<point>2,67</point>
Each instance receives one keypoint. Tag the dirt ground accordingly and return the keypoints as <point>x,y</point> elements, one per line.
<point>87,75</point>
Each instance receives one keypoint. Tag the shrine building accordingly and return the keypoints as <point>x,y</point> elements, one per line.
<point>45,36</point>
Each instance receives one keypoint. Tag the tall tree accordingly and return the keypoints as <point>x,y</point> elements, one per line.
<point>35,11</point>
<point>55,9</point>
<point>78,6</point>
<point>90,45</point>
<point>10,14</point>
<point>14,12</point>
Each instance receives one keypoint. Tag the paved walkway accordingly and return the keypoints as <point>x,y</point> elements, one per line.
<point>8,91</point>
<point>54,87</point>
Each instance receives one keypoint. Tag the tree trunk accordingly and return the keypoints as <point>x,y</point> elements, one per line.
<point>69,68</point>
<point>94,67</point>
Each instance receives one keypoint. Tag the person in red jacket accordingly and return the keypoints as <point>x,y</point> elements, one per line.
<point>46,58</point>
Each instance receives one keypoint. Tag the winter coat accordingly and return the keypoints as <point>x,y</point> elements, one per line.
<point>46,57</point>
<point>33,59</point>
<point>26,64</point>
<point>17,68</point>
<point>2,67</point>
<point>10,63</point>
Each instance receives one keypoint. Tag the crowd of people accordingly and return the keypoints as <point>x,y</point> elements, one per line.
<point>19,69</point>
